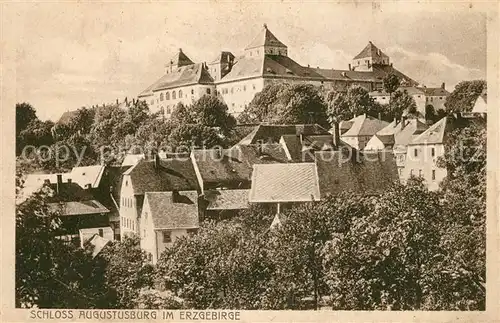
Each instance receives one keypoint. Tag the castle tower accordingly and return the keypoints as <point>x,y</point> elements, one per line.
<point>266,44</point>
<point>369,56</point>
<point>180,59</point>
<point>221,65</point>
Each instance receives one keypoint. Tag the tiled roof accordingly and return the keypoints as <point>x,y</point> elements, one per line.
<point>369,174</point>
<point>172,175</point>
<point>370,51</point>
<point>364,125</point>
<point>346,75</point>
<point>68,192</point>
<point>308,144</point>
<point>169,214</point>
<point>434,91</point>
<point>182,76</point>
<point>87,175</point>
<point>294,182</point>
<point>132,159</point>
<point>227,199</point>
<point>273,133</point>
<point>235,164</point>
<point>222,57</point>
<point>180,59</point>
<point>265,38</point>
<point>67,116</point>
<point>78,207</point>
<point>403,136</point>
<point>411,90</point>
<point>381,71</point>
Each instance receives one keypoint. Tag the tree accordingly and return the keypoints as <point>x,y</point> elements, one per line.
<point>401,104</point>
<point>346,105</point>
<point>138,113</point>
<point>185,137</point>
<point>464,96</point>
<point>37,133</point>
<point>82,121</point>
<point>391,83</point>
<point>49,273</point>
<point>210,111</point>
<point>287,104</point>
<point>127,272</point>
<point>25,113</point>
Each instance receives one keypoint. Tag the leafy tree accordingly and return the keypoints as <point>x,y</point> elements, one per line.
<point>185,137</point>
<point>37,133</point>
<point>401,104</point>
<point>210,111</point>
<point>138,113</point>
<point>181,115</point>
<point>25,113</point>
<point>127,272</point>
<point>346,105</point>
<point>391,83</point>
<point>287,104</point>
<point>464,96</point>
<point>382,261</point>
<point>49,273</point>
<point>82,121</point>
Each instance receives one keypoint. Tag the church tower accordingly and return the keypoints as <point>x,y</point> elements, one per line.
<point>369,56</point>
<point>266,44</point>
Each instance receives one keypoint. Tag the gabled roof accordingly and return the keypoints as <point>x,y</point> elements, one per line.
<point>411,90</point>
<point>171,175</point>
<point>182,76</point>
<point>68,192</point>
<point>294,182</point>
<point>84,175</point>
<point>222,57</point>
<point>234,165</point>
<point>481,104</point>
<point>169,212</point>
<point>78,207</point>
<point>180,59</point>
<point>435,134</point>
<point>398,136</point>
<point>364,125</point>
<point>302,149</point>
<point>273,133</point>
<point>434,91</point>
<point>132,159</point>
<point>265,38</point>
<point>366,173</point>
<point>370,51</point>
<point>227,199</point>
<point>67,117</point>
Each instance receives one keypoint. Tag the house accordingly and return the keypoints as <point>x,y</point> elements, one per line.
<point>232,168</point>
<point>225,203</point>
<point>284,184</point>
<point>76,208</point>
<point>265,60</point>
<point>362,129</point>
<point>435,96</point>
<point>89,233</point>
<point>272,133</point>
<point>97,244</point>
<point>396,137</point>
<point>157,175</point>
<point>424,150</point>
<point>481,106</point>
<point>363,173</point>
<point>167,216</point>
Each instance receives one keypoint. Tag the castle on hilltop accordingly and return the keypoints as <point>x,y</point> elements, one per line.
<point>236,80</point>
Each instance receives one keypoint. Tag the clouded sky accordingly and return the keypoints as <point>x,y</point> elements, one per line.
<point>71,55</point>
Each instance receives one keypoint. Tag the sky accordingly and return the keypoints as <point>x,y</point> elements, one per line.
<point>75,54</point>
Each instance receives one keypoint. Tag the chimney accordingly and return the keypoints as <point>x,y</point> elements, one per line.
<point>180,50</point>
<point>443,85</point>
<point>116,101</point>
<point>350,67</point>
<point>59,183</point>
<point>175,196</point>
<point>126,101</point>
<point>391,64</point>
<point>336,134</point>
<point>308,65</point>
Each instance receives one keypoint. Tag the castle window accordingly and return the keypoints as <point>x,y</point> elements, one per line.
<point>440,98</point>
<point>161,96</point>
<point>192,91</point>
<point>180,94</point>
<point>253,85</point>
<point>433,174</point>
<point>416,152</point>
<point>433,152</point>
<point>419,173</point>
<point>232,90</point>
<point>169,110</point>
<point>162,110</point>
<point>167,96</point>
<point>173,95</point>
<point>208,91</point>
<point>244,87</point>
<point>167,236</point>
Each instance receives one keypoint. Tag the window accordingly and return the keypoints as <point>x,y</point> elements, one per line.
<point>162,110</point>
<point>433,152</point>
<point>400,171</point>
<point>244,87</point>
<point>433,174</point>
<point>126,183</point>
<point>169,110</point>
<point>167,236</point>
<point>253,85</point>
<point>411,172</point>
<point>173,95</point>
<point>440,98</point>
<point>101,233</point>
<point>432,99</point>
<point>416,152</point>
<point>161,96</point>
<point>152,101</point>
<point>167,96</point>
<point>232,90</point>
<point>144,232</point>
<point>208,91</point>
<point>383,98</point>
<point>180,94</point>
<point>192,91</point>
<point>419,173</point>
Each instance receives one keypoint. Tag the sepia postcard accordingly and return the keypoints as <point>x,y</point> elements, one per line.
<point>253,161</point>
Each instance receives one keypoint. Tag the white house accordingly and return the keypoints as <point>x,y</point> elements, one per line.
<point>361,130</point>
<point>167,216</point>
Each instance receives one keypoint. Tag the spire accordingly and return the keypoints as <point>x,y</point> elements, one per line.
<point>265,38</point>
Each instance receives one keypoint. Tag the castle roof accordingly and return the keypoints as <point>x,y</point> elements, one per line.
<point>180,59</point>
<point>370,51</point>
<point>265,38</point>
